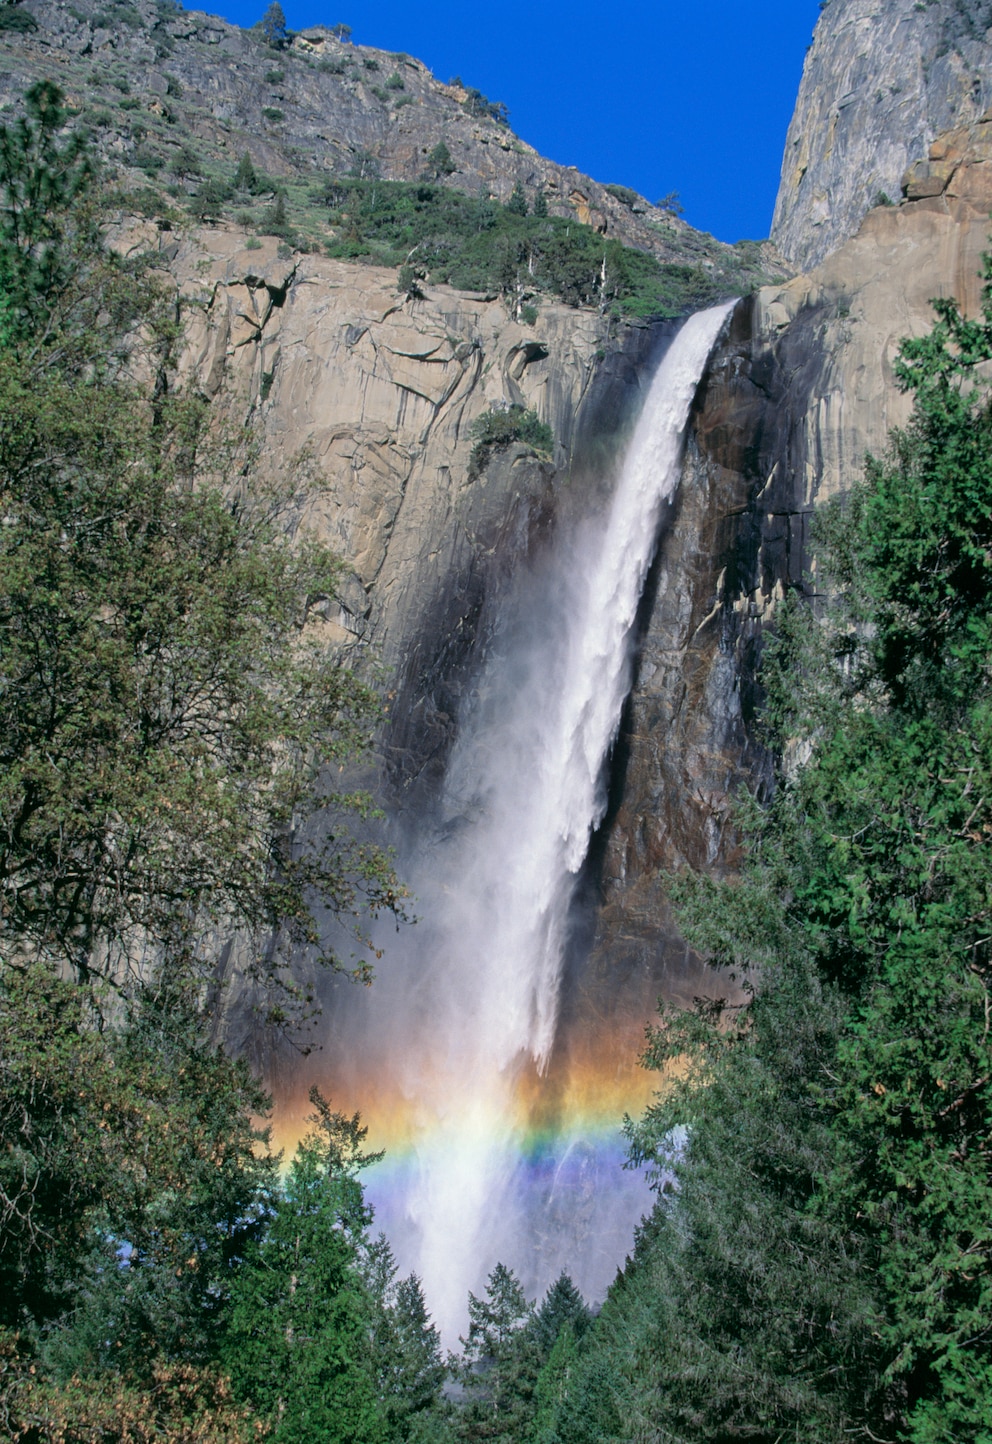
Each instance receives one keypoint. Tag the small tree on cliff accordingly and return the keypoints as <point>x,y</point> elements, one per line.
<point>273,26</point>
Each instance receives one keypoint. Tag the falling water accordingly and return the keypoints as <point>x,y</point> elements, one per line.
<point>463,1017</point>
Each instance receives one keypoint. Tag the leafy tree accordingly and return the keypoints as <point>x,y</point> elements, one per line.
<point>149,777</point>
<point>541,205</point>
<point>342,32</point>
<point>129,1178</point>
<point>180,1403</point>
<point>164,720</point>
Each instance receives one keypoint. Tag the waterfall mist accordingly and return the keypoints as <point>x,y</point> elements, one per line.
<point>454,1040</point>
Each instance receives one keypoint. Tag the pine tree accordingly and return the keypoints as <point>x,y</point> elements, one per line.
<point>246,177</point>
<point>273,26</point>
<point>296,1341</point>
<point>41,181</point>
<point>499,1360</point>
<point>517,204</point>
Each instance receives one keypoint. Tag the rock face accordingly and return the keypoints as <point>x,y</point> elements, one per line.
<point>369,400</point>
<point>882,79</point>
<point>800,391</point>
<point>377,395</point>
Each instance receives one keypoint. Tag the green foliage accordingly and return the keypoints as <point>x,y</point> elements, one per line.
<point>517,204</point>
<point>275,222</point>
<point>295,1340</point>
<point>185,163</point>
<point>541,205</point>
<point>823,1268</point>
<point>137,1136</point>
<point>272,26</point>
<point>246,176</point>
<point>624,195</point>
<point>40,229</point>
<point>14,19</point>
<point>146,770</point>
<point>494,430</point>
<point>439,162</point>
<point>167,715</point>
<point>671,203</point>
<point>499,1361</point>
<point>404,1346</point>
<point>273,114</point>
<point>475,244</point>
<point>478,104</point>
<point>210,199</point>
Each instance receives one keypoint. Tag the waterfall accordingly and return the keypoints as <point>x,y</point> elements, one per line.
<point>461,1021</point>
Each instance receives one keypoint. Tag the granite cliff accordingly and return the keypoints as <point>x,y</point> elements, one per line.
<point>882,79</point>
<point>802,388</point>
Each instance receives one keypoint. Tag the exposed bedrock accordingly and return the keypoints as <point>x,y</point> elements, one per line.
<point>882,79</point>
<point>801,389</point>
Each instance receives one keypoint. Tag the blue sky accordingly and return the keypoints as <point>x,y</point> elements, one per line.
<point>691,96</point>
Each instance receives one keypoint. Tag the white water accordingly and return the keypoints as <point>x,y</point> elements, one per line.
<point>473,997</point>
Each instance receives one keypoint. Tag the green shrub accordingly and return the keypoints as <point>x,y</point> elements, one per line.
<point>147,160</point>
<point>528,315</point>
<point>273,114</point>
<point>517,204</point>
<point>275,77</point>
<point>478,104</point>
<point>439,162</point>
<point>623,194</point>
<point>476,244</point>
<point>494,430</point>
<point>370,62</point>
<point>13,18</point>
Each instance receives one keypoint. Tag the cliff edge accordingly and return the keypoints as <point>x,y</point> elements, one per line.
<point>882,79</point>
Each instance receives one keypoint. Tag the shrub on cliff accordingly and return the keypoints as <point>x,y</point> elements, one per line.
<point>495,430</point>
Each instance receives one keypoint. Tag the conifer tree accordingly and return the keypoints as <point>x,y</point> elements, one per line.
<point>296,1341</point>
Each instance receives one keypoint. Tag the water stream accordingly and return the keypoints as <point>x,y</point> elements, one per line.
<point>462,1017</point>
